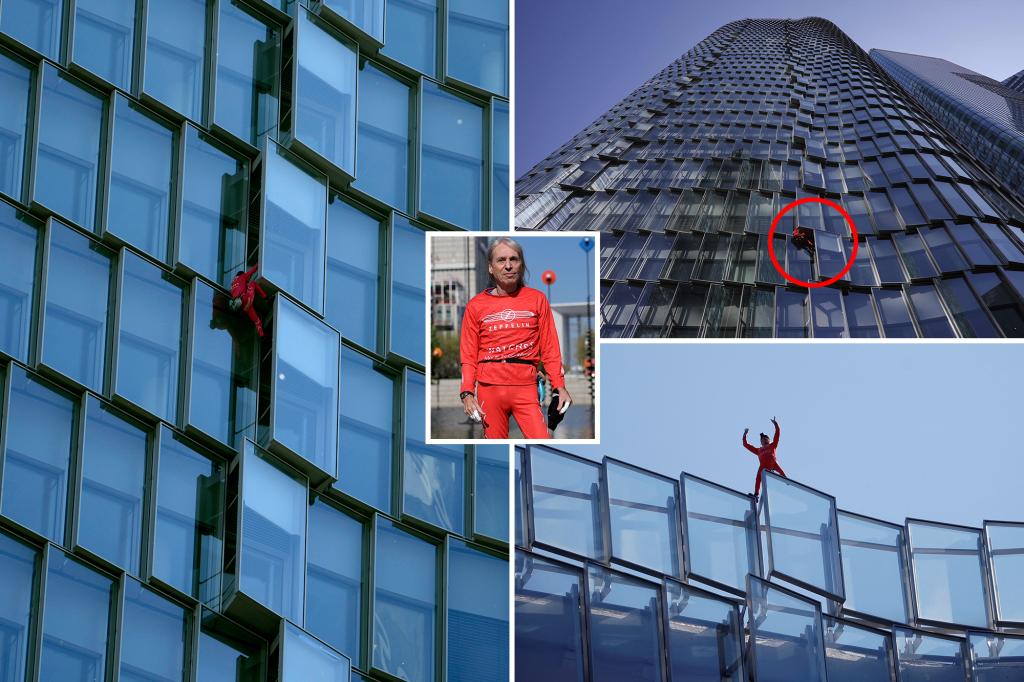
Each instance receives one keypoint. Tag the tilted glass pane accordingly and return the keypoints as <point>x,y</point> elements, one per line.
<point>477,615</point>
<point>412,33</point>
<point>154,636</point>
<point>40,429</point>
<point>786,635</point>
<point>113,476</point>
<point>367,15</point>
<point>452,158</point>
<point>19,234</point>
<point>353,272</point>
<point>304,658</point>
<point>478,43</point>
<point>624,615</point>
<point>149,343</point>
<point>382,169</point>
<point>996,658</point>
<point>948,577</point>
<point>549,631</point>
<point>15,89</point>
<point>18,566</point>
<point>334,571</point>
<point>404,604</point>
<point>565,495</point>
<point>499,164</point>
<point>873,570</point>
<point>189,534</point>
<point>224,660</point>
<point>926,658</point>
<point>644,513</point>
<point>67,165</point>
<point>175,39</point>
<point>705,637</point>
<point>1006,549</point>
<point>36,23</point>
<point>854,654</point>
<point>407,290</point>
<point>434,475</point>
<point>721,534</point>
<point>490,492</point>
<point>365,431</point>
<point>104,39</point>
<point>247,68</point>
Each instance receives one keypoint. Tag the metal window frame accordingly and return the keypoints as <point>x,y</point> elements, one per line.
<point>997,618</point>
<point>904,568</point>
<point>740,674</point>
<point>752,626</point>
<point>912,631</point>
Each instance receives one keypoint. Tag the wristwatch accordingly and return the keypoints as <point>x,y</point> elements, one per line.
<point>462,396</point>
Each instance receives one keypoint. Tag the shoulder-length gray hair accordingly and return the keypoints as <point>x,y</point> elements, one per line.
<point>507,241</point>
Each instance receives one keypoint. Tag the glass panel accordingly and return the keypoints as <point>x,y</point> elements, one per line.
<point>860,315</point>
<point>565,494</point>
<point>140,184</point>
<point>18,566</point>
<point>40,428</point>
<point>1000,301</point>
<point>948,578</point>
<point>365,432</point>
<point>791,313</point>
<point>490,492</point>
<point>433,475</point>
<point>305,658</point>
<point>76,618</point>
<point>247,67</point>
<point>113,477</point>
<point>294,228</point>
<point>382,168</point>
<point>931,316</point>
<point>500,165</point>
<point>36,23</point>
<point>644,514</point>
<point>404,604</point>
<point>1006,552</point>
<point>786,636</point>
<point>334,571</point>
<point>478,43</point>
<point>19,234</point>
<point>827,314</point>
<point>188,540</point>
<point>353,272</point>
<point>452,158</point>
<point>854,654</point>
<point>211,238</point>
<point>305,395</point>
<point>67,166</point>
<point>705,637</point>
<point>150,337</point>
<point>103,39</point>
<point>175,39</point>
<point>273,535</point>
<point>407,290</point>
<point>412,34</point>
<point>477,615</point>
<point>944,250</point>
<point>803,539</point>
<point>873,570</point>
<point>624,636</point>
<point>996,658</point>
<point>928,658</point>
<point>915,257</point>
<point>966,309</point>
<point>549,634</point>
<point>886,261</point>
<point>153,636</point>
<point>892,308</point>
<point>15,89</point>
<point>721,534</point>
<point>224,660</point>
<point>367,15</point>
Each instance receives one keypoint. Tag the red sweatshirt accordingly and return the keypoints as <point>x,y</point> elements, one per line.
<point>765,453</point>
<point>502,327</point>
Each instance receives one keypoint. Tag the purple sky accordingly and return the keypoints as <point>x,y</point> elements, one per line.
<point>577,58</point>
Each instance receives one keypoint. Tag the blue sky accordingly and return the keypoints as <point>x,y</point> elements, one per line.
<point>893,431</point>
<point>577,58</point>
<point>564,256</point>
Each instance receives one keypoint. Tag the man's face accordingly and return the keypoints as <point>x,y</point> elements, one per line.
<point>764,440</point>
<point>505,265</point>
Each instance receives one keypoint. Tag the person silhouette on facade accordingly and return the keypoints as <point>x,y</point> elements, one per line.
<point>765,455</point>
<point>243,293</point>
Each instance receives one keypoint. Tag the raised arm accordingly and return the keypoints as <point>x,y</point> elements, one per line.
<point>747,445</point>
<point>775,440</point>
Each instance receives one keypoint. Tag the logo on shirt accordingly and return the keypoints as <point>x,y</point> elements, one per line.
<point>507,315</point>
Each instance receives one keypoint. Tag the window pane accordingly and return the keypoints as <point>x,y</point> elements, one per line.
<point>334,572</point>
<point>892,308</point>
<point>382,169</point>
<point>886,261</point>
<point>721,534</point>
<point>860,315</point>
<point>407,290</point>
<point>1006,549</point>
<point>153,637</point>
<point>304,658</point>
<point>643,509</point>
<point>452,163</point>
<point>433,475</point>
<point>113,475</point>
<point>565,497</point>
<point>367,15</point>
<point>790,313</point>
<point>478,43</point>
<point>188,547</point>
<point>15,84</point>
<point>705,637</point>
<point>75,622</point>
<point>273,535</point>
<point>18,566</point>
<point>624,614</point>
<point>1000,301</point>
<point>786,636</point>
<point>36,23</point>
<point>854,654</point>
<point>40,427</point>
<point>948,578</point>
<point>549,636</point>
<point>929,311</point>
<point>827,314</point>
<point>500,165</point>
<point>412,33</point>
<point>365,432</point>
<point>325,92</point>
<point>520,520</point>
<point>103,39</point>
<point>175,38</point>
<point>996,658</point>
<point>944,250</point>
<point>224,660</point>
<point>140,184</point>
<point>294,228</point>
<point>247,67</point>
<point>353,272</point>
<point>19,233</point>
<point>70,128</point>
<point>966,309</point>
<point>924,657</point>
<point>150,337</point>
<point>490,492</point>
<point>911,248</point>
<point>477,615</point>
<point>405,604</point>
<point>211,238</point>
<point>873,570</point>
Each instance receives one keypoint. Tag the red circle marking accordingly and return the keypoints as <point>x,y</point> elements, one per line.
<point>775,223</point>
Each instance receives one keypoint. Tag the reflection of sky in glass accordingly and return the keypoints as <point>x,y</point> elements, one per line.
<point>947,574</point>
<point>643,510</point>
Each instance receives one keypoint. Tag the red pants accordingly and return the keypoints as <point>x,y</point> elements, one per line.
<point>499,402</point>
<point>771,467</point>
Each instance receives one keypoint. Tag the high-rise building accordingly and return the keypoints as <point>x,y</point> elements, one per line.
<point>180,497</point>
<point>627,574</point>
<point>984,115</point>
<point>684,176</point>
<point>1016,81</point>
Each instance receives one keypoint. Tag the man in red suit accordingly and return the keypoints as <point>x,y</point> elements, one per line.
<point>765,455</point>
<point>243,292</point>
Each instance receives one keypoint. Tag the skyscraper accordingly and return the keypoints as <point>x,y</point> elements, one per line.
<point>684,176</point>
<point>182,497</point>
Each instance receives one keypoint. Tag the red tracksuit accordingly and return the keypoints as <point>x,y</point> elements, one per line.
<point>244,289</point>
<point>497,328</point>
<point>766,456</point>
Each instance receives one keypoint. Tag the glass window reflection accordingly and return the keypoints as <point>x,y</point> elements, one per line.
<point>549,631</point>
<point>18,566</point>
<point>247,67</point>
<point>873,569</point>
<point>704,636</point>
<point>153,637</point>
<point>412,34</point>
<point>624,616</point>
<point>19,234</point>
<point>565,495</point>
<point>490,492</point>
<point>366,15</point>
<point>452,160</point>
<point>306,658</point>
<point>407,289</point>
<point>643,510</point>
<point>385,104</point>
<point>996,658</point>
<point>721,534</point>
<point>433,475</point>
<point>477,614</point>
<point>226,659</point>
<point>786,634</point>
<point>925,657</point>
<point>334,571</point>
<point>175,38</point>
<point>478,43</point>
<point>15,85</point>
<point>365,430</point>
<point>499,165</point>
<point>948,578</point>
<point>103,39</point>
<point>353,272</point>
<point>1006,551</point>
<point>855,654</point>
<point>36,23</point>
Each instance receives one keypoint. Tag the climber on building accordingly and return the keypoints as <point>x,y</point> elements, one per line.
<point>243,293</point>
<point>803,238</point>
<point>765,455</point>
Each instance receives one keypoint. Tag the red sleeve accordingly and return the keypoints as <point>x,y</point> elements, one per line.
<point>251,271</point>
<point>469,347</point>
<point>550,351</point>
<point>775,441</point>
<point>259,289</point>
<point>748,446</point>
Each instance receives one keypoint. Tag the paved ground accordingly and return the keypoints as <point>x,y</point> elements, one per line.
<point>451,422</point>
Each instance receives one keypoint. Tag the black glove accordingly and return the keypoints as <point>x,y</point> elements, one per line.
<point>554,418</point>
